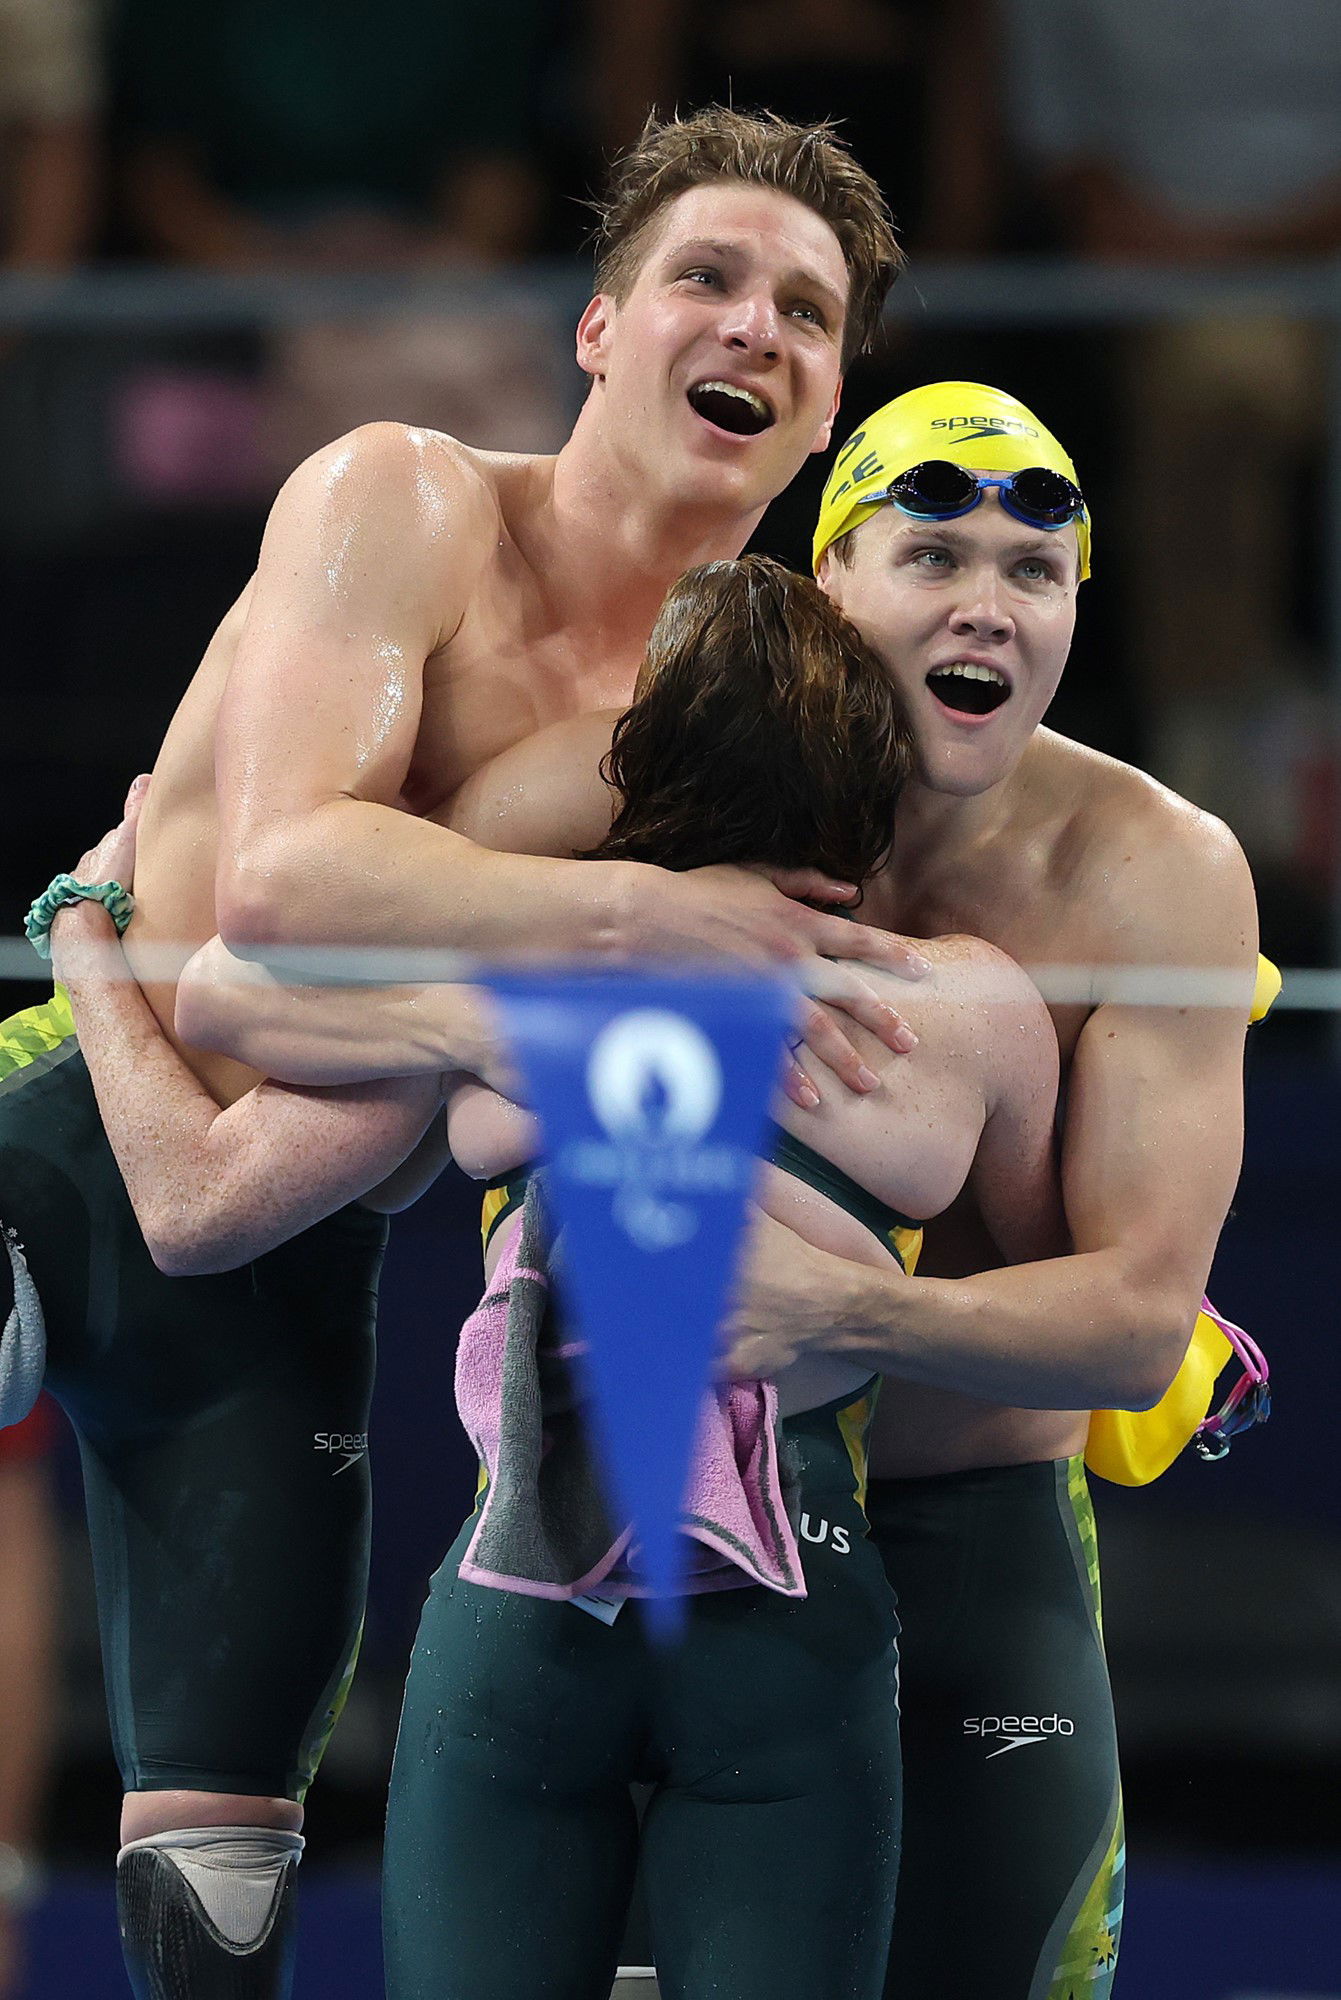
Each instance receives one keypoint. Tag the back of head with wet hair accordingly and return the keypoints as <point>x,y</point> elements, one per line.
<point>763,730</point>
<point>809,162</point>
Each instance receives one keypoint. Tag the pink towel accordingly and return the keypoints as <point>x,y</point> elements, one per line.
<point>543,1528</point>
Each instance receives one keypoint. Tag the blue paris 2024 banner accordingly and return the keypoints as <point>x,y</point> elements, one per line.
<point>652,1094</point>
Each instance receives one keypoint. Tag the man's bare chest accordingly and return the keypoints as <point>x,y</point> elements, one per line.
<point>499,684</point>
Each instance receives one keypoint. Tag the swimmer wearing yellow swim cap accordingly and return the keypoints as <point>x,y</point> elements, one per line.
<point>959,425</point>
<point>1003,1381</point>
<point>953,532</point>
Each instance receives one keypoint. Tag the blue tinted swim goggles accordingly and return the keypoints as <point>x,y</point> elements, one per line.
<point>939,490</point>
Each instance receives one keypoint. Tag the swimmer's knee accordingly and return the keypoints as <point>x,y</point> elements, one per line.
<point>145,1815</point>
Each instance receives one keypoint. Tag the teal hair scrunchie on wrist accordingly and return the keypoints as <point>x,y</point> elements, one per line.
<point>118,903</point>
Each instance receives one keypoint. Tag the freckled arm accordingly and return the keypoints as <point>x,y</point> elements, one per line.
<point>1151,1152</point>
<point>331,1034</point>
<point>1150,1162</point>
<point>214,1187</point>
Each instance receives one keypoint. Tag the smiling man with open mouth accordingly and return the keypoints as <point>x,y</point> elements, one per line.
<point>974,537</point>
<point>954,534</point>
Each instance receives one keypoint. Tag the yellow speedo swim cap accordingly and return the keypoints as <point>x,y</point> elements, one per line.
<point>966,422</point>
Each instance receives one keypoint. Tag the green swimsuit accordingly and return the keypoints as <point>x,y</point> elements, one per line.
<point>769,1739</point>
<point>1013,1858</point>
<point>221,1421</point>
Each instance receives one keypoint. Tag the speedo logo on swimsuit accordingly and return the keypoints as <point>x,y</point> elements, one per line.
<point>985,427</point>
<point>351,1445</point>
<point>1015,1731</point>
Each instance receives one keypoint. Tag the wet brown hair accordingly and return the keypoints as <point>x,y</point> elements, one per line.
<point>763,729</point>
<point>809,162</point>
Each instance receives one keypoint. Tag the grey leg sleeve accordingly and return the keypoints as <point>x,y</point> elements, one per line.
<point>207,1913</point>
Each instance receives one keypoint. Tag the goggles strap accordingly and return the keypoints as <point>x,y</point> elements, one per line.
<point>1248,1402</point>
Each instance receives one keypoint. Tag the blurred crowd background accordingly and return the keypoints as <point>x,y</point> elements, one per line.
<point>229,233</point>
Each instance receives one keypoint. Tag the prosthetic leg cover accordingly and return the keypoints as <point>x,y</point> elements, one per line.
<point>207,1913</point>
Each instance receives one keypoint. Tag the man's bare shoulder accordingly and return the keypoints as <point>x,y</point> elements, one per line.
<point>390,463</point>
<point>1140,855</point>
<point>395,521</point>
<point>399,474</point>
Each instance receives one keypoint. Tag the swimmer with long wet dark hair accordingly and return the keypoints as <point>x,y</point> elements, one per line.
<point>763,730</point>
